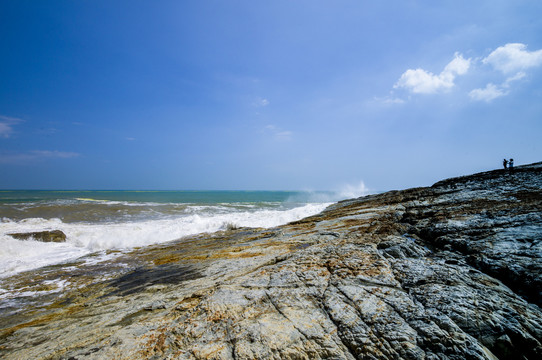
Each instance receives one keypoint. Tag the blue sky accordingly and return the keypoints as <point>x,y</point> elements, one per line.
<point>270,95</point>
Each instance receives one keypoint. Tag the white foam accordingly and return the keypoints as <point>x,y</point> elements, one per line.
<point>85,238</point>
<point>345,191</point>
<point>18,255</point>
<point>350,191</point>
<point>51,286</point>
<point>111,202</point>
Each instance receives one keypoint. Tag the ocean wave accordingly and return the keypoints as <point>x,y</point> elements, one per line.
<point>86,238</point>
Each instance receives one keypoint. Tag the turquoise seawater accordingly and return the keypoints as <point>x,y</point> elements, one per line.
<point>201,197</point>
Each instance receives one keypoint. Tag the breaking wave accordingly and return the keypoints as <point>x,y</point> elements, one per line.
<point>83,238</point>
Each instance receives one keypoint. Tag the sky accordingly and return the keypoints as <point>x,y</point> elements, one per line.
<point>266,95</point>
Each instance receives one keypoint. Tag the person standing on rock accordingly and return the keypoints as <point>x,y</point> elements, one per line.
<point>511,165</point>
<point>505,163</point>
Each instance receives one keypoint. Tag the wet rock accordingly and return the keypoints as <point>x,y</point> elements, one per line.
<point>452,271</point>
<point>43,236</point>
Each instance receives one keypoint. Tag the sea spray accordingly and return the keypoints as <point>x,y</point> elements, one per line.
<point>343,192</point>
<point>149,223</point>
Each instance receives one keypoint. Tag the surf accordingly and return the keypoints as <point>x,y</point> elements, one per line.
<point>84,238</point>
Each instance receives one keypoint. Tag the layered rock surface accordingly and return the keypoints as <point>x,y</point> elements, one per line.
<point>452,271</point>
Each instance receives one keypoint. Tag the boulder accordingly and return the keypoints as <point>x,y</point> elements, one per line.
<point>43,236</point>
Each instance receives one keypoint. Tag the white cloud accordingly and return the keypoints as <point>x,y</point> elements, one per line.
<point>283,135</point>
<point>518,76</point>
<point>6,125</point>
<point>513,57</point>
<point>423,82</point>
<point>54,154</point>
<point>492,91</point>
<point>5,130</point>
<point>459,65</point>
<point>388,100</point>
<point>511,60</point>
<point>36,155</point>
<point>261,102</point>
<point>420,81</point>
<point>488,94</point>
<point>278,133</point>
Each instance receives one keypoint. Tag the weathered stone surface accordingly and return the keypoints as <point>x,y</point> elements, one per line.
<point>43,236</point>
<point>447,272</point>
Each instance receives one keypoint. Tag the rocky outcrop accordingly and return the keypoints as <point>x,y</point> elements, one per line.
<point>43,236</point>
<point>452,271</point>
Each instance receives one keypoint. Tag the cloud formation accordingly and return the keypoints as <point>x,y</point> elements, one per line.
<point>488,94</point>
<point>388,100</point>
<point>36,155</point>
<point>513,58</point>
<point>5,130</point>
<point>420,81</point>
<point>278,133</point>
<point>6,125</point>
<point>260,102</point>
<point>492,91</point>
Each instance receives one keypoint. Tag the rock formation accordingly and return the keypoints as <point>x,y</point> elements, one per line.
<point>451,271</point>
<point>43,236</point>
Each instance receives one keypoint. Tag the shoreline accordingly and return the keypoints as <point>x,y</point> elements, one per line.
<point>135,226</point>
<point>423,272</point>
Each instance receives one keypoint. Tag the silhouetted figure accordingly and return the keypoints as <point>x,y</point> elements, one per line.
<point>511,165</point>
<point>505,163</point>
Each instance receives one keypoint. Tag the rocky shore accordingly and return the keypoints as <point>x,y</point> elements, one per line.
<point>451,271</point>
<point>45,236</point>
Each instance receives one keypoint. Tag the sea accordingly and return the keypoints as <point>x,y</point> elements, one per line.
<point>98,221</point>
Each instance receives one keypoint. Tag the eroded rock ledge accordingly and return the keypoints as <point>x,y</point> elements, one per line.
<point>452,271</point>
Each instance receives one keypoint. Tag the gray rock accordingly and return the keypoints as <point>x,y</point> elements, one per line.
<point>452,271</point>
<point>43,236</point>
